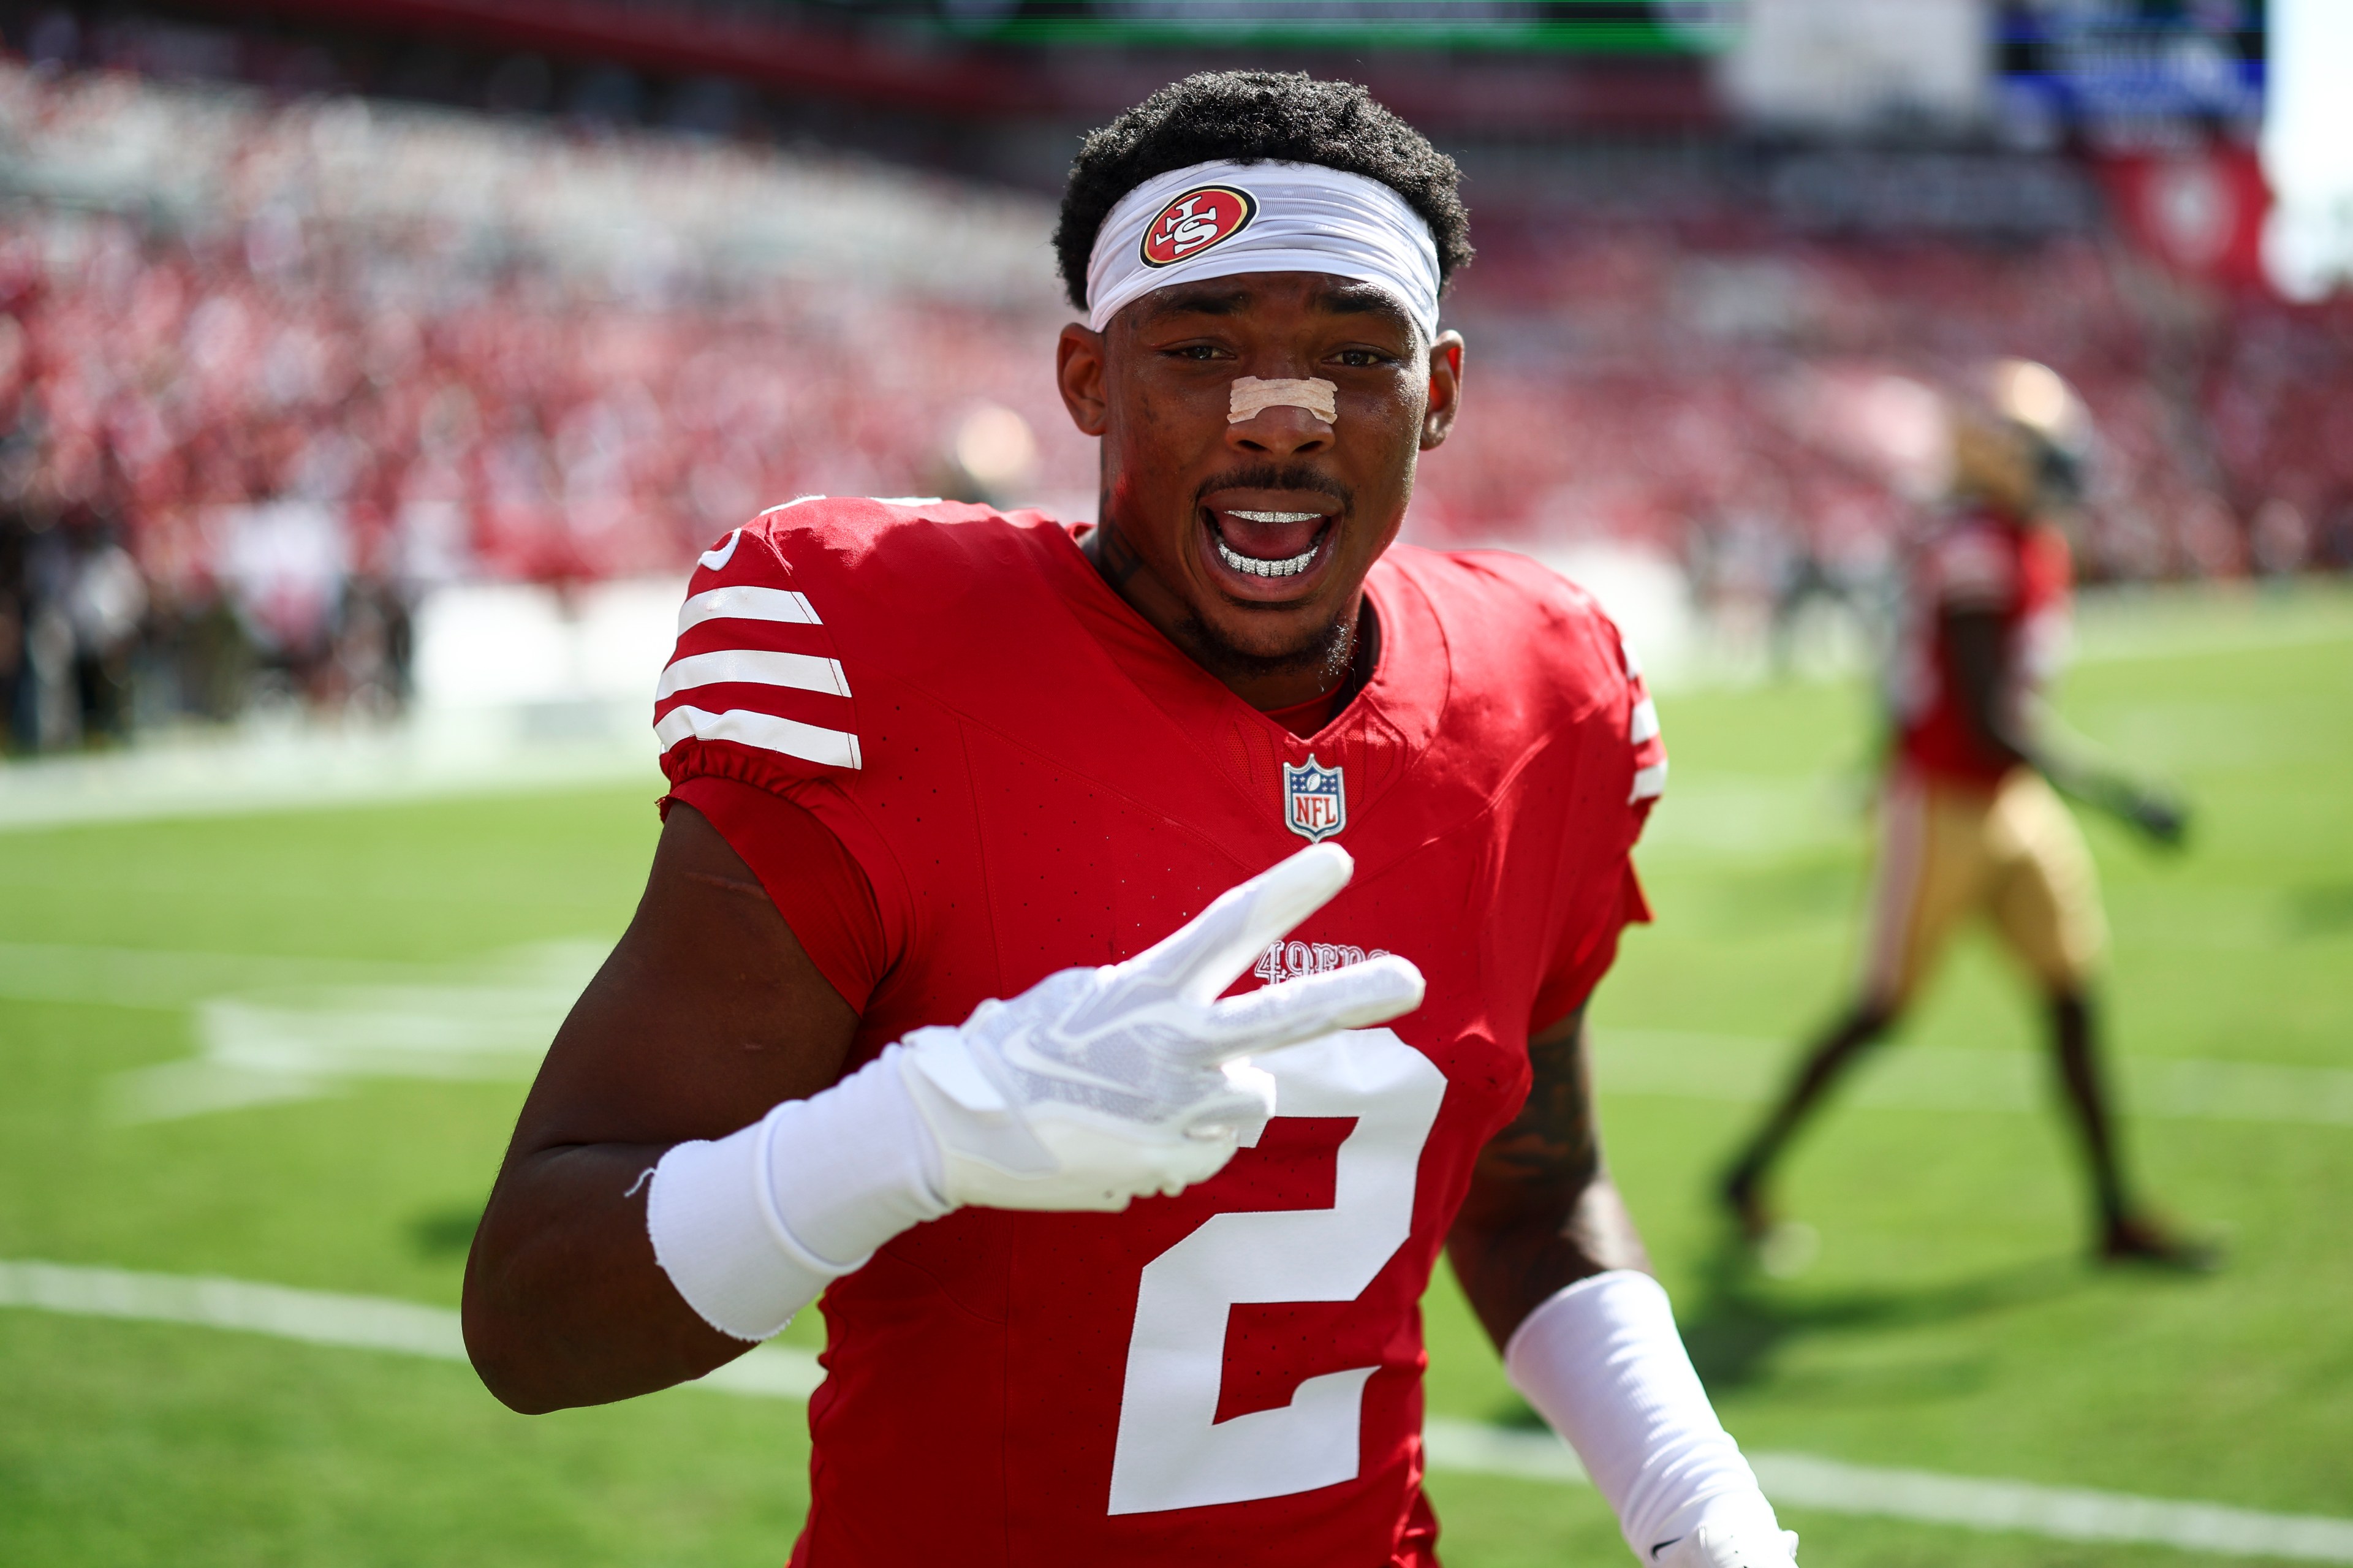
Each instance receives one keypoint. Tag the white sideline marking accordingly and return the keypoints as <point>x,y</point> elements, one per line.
<point>780,1372</point>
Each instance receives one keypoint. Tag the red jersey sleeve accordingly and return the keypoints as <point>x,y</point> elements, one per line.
<point>1590,946</point>
<point>754,689</point>
<point>756,721</point>
<point>820,891</point>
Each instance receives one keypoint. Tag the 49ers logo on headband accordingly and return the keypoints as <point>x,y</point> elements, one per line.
<point>1201,217</point>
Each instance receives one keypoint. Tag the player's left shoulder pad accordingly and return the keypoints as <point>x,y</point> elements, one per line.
<point>790,620</point>
<point>918,587</point>
<point>1519,621</point>
<point>1537,651</point>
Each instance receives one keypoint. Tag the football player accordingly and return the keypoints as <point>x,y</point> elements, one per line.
<point>1971,820</point>
<point>977,821</point>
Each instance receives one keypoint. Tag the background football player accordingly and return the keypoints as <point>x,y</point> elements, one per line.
<point>925,1006</point>
<point>1970,823</point>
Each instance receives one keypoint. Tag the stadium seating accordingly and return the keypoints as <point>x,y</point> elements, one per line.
<point>303,359</point>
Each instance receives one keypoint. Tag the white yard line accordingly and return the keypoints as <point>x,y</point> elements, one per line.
<point>778,1372</point>
<point>323,1317</point>
<point>2068,1513</point>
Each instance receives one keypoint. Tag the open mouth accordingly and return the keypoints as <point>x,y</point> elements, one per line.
<point>1274,524</point>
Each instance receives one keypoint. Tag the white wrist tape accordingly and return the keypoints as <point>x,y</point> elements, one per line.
<point>1602,1361</point>
<point>751,1227</point>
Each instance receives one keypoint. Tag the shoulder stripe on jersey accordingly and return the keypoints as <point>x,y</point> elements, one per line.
<point>1646,722</point>
<point>828,748</point>
<point>718,555</point>
<point>754,667</point>
<point>746,604</point>
<point>1649,783</point>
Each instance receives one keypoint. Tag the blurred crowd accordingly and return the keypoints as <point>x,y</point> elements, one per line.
<point>240,441</point>
<point>1738,401</point>
<point>272,373</point>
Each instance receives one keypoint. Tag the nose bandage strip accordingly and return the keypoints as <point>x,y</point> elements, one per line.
<point>1252,397</point>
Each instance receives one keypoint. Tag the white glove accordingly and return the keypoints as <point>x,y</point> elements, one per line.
<point>1731,1546</point>
<point>1092,1088</point>
<point>1096,1087</point>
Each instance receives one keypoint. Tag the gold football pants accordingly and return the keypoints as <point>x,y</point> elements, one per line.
<point>1949,851</point>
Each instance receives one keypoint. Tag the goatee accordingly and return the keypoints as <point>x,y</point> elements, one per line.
<point>1327,649</point>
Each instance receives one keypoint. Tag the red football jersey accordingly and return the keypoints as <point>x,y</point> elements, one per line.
<point>1030,777</point>
<point>1983,561</point>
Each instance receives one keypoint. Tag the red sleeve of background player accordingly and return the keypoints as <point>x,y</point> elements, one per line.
<point>1609,886</point>
<point>757,725</point>
<point>1971,566</point>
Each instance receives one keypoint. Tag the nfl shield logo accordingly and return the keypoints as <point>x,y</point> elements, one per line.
<point>1314,805</point>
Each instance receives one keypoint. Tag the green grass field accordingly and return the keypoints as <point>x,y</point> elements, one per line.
<point>1949,1323</point>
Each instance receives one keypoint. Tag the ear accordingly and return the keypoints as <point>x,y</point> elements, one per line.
<point>1445,389</point>
<point>1078,373</point>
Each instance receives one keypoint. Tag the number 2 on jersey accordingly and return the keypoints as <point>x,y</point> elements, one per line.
<point>1171,1451</point>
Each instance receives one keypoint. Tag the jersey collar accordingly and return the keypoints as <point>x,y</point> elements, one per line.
<point>1374,740</point>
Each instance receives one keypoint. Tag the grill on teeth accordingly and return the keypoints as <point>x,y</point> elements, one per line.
<point>1288,567</point>
<point>1278,516</point>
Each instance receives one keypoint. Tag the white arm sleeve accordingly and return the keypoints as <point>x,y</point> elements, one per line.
<point>751,1227</point>
<point>1602,1361</point>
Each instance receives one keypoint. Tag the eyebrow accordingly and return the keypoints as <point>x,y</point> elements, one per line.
<point>1202,300</point>
<point>1354,297</point>
<point>1341,297</point>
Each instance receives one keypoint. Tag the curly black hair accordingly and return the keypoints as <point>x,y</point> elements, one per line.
<point>1251,117</point>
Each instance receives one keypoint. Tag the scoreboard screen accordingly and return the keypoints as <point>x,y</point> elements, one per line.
<point>1584,27</point>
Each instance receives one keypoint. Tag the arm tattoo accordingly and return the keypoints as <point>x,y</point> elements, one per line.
<point>1541,1212</point>
<point>1550,1147</point>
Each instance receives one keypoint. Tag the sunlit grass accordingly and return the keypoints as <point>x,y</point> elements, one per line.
<point>1949,1323</point>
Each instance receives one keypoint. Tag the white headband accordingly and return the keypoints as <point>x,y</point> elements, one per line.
<point>1217,219</point>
